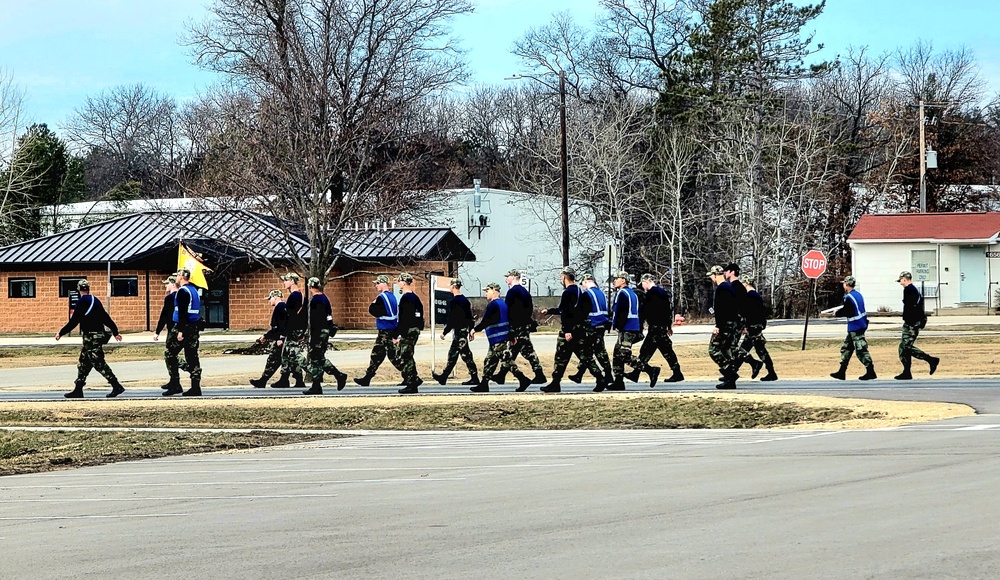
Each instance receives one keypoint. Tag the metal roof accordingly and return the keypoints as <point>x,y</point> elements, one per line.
<point>136,236</point>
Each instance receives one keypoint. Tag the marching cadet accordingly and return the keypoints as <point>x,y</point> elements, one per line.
<point>625,320</point>
<point>595,303</point>
<point>755,316</point>
<point>571,328</point>
<point>460,323</point>
<point>385,309</point>
<point>723,345</point>
<point>522,323</point>
<point>657,312</point>
<point>411,322</point>
<point>92,318</point>
<point>293,338</point>
<point>497,326</point>
<point>279,320</point>
<point>914,319</point>
<point>857,324</point>
<point>320,326</point>
<point>166,320</point>
<point>732,274</point>
<point>184,336</point>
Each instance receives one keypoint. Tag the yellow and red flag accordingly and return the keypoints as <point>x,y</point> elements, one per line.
<point>192,261</point>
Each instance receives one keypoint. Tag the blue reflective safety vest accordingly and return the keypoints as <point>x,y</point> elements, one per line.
<point>194,305</point>
<point>499,331</point>
<point>860,319</point>
<point>391,320</point>
<point>632,324</point>
<point>598,308</point>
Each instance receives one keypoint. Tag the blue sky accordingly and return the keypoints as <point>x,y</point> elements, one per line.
<point>62,51</point>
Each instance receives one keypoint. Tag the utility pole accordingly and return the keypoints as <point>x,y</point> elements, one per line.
<point>565,168</point>
<point>923,158</point>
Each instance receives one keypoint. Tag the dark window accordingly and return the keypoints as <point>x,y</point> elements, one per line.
<point>124,286</point>
<point>67,285</point>
<point>21,288</point>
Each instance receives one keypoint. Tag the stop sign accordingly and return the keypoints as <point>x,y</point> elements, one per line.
<point>814,264</point>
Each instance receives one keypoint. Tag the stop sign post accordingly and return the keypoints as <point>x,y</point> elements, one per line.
<point>813,266</point>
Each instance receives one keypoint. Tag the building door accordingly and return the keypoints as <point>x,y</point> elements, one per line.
<point>972,280</point>
<point>215,301</point>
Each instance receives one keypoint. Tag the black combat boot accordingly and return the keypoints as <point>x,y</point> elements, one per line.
<point>281,383</point>
<point>933,361</point>
<point>341,378</point>
<point>771,375</point>
<point>576,377</point>
<point>654,374</point>
<point>500,378</point>
<point>633,376</point>
<point>411,388</point>
<point>300,382</point>
<point>441,378</point>
<point>615,383</point>
<point>365,380</point>
<point>473,380</point>
<point>195,390</point>
<point>602,384</point>
<point>316,388</point>
<point>676,377</point>
<point>756,365</point>
<point>173,388</point>
<point>482,387</point>
<point>523,382</point>
<point>553,386</point>
<point>728,380</point>
<point>77,392</point>
<point>116,389</point>
<point>869,374</point>
<point>905,375</point>
<point>841,375</point>
<point>539,378</point>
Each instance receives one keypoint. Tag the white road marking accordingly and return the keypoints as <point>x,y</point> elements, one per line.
<point>977,428</point>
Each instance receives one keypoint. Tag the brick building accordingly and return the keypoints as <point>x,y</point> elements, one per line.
<point>126,260</point>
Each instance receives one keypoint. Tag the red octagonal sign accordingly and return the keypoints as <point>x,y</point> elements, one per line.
<point>814,264</point>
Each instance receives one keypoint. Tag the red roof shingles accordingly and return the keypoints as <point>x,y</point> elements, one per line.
<point>927,226</point>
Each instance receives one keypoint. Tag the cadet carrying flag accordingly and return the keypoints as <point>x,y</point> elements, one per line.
<point>188,259</point>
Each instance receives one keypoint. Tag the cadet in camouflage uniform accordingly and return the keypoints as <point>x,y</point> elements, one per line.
<point>293,340</point>
<point>595,304</point>
<point>92,318</point>
<point>320,326</point>
<point>279,318</point>
<point>184,336</point>
<point>460,323</point>
<point>571,331</point>
<point>521,310</point>
<point>914,319</point>
<point>743,305</point>
<point>857,324</point>
<point>657,312</point>
<point>411,322</point>
<point>625,321</point>
<point>385,309</point>
<point>722,348</point>
<point>755,317</point>
<point>497,327</point>
<point>166,320</point>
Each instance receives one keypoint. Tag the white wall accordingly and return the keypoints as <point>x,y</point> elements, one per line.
<point>877,265</point>
<point>520,234</point>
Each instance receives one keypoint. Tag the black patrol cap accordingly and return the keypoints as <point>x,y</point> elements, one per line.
<point>732,267</point>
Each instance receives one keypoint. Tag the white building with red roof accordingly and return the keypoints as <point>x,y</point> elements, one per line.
<point>954,258</point>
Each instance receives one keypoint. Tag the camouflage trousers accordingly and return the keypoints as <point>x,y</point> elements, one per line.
<point>855,343</point>
<point>383,347</point>
<point>404,355</point>
<point>658,337</point>
<point>498,358</point>
<point>623,352</point>
<point>190,346</point>
<point>521,345</point>
<point>723,349</point>
<point>908,352</point>
<point>273,361</point>
<point>754,339</point>
<point>579,346</point>
<point>595,338</point>
<point>293,353</point>
<point>460,348</point>
<point>316,362</point>
<point>92,357</point>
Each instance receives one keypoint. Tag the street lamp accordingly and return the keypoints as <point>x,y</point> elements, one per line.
<point>564,168</point>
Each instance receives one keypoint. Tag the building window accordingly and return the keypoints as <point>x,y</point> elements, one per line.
<point>124,286</point>
<point>21,288</point>
<point>67,285</point>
